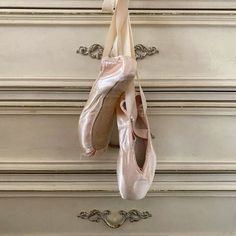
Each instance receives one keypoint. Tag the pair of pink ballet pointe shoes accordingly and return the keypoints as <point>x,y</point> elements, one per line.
<point>137,160</point>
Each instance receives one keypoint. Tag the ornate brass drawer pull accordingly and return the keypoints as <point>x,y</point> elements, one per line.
<point>95,51</point>
<point>98,216</point>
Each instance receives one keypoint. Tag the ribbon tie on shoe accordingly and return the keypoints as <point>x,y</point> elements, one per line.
<point>108,5</point>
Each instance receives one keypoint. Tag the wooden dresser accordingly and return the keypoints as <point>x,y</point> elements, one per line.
<point>190,85</point>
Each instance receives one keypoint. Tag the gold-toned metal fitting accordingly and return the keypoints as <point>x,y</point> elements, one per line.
<point>95,51</point>
<point>111,221</point>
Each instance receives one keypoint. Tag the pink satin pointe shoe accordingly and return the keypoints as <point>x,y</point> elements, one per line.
<point>137,159</point>
<point>96,119</point>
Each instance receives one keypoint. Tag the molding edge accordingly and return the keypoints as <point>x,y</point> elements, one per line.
<point>96,17</point>
<point>70,167</point>
<point>200,81</point>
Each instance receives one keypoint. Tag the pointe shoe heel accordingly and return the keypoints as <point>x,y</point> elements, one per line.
<point>137,159</point>
<point>97,117</point>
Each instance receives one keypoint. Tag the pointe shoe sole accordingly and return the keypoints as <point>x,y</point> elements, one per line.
<point>97,117</point>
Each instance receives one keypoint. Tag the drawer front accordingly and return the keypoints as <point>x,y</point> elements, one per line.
<point>44,84</point>
<point>195,50</point>
<point>45,182</point>
<point>48,205</point>
<point>172,216</point>
<point>182,4</point>
<point>192,135</point>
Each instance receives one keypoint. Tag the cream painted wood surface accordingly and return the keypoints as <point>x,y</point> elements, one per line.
<point>104,184</point>
<point>195,4</point>
<point>198,49</point>
<point>190,87</point>
<point>200,138</point>
<point>48,204</point>
<point>173,215</point>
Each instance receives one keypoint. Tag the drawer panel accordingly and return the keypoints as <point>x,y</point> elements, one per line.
<point>38,55</point>
<point>172,216</point>
<point>196,50</point>
<point>187,4</point>
<point>47,136</point>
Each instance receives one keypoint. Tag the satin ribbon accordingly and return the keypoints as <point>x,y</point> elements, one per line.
<point>108,5</point>
<point>120,40</point>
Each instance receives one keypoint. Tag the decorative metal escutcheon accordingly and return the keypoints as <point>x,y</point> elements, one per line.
<point>114,221</point>
<point>95,51</point>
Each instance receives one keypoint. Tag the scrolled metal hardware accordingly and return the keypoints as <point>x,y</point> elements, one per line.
<point>98,216</point>
<point>95,51</point>
<point>141,51</point>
